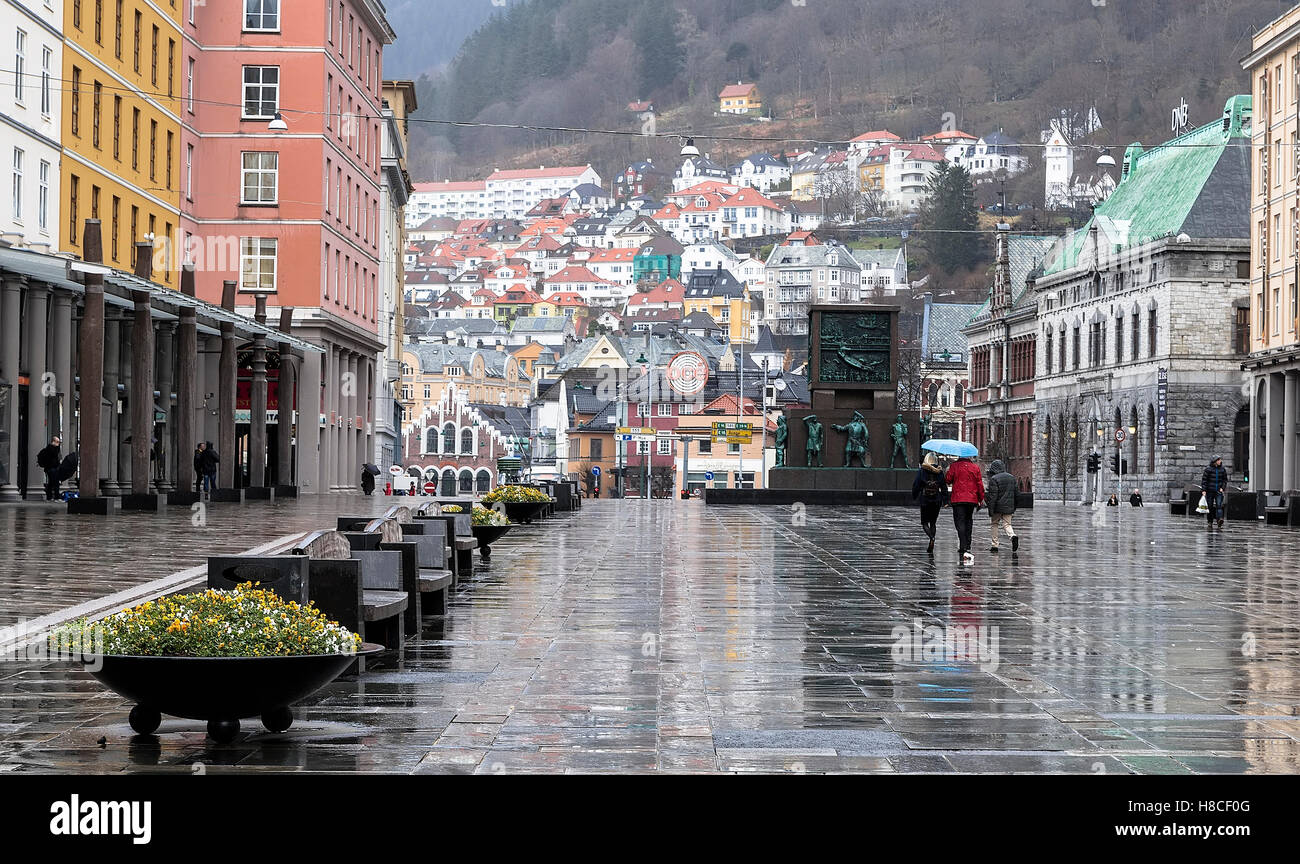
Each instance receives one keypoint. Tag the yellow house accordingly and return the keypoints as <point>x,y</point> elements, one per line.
<point>740,98</point>
<point>121,127</point>
<point>484,375</point>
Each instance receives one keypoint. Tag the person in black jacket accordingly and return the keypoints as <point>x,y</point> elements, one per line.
<point>198,468</point>
<point>211,458</point>
<point>930,489</point>
<point>1214,484</point>
<point>367,481</point>
<point>1000,495</point>
<point>48,460</point>
<point>1135,499</point>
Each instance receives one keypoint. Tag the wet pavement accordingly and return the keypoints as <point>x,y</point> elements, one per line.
<point>638,636</point>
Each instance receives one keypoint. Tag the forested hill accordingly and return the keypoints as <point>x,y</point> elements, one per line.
<point>829,68</point>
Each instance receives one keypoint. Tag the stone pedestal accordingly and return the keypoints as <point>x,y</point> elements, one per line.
<point>146,501</point>
<point>90,506</point>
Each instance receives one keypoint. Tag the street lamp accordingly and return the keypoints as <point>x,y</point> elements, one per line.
<point>277,124</point>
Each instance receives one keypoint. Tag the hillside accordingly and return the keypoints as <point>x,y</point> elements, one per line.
<point>430,33</point>
<point>830,69</point>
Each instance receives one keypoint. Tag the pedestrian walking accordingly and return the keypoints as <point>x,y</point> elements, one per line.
<point>211,459</point>
<point>931,491</point>
<point>966,486</point>
<point>48,460</point>
<point>367,481</point>
<point>1113,500</point>
<point>1135,499</point>
<point>1002,503</point>
<point>1214,484</point>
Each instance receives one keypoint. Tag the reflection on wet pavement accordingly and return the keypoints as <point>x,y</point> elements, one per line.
<point>639,636</point>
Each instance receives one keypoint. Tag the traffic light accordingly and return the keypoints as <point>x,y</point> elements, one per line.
<point>1114,464</point>
<point>1094,463</point>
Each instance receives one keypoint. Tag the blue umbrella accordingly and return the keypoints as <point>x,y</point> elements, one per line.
<point>951,447</point>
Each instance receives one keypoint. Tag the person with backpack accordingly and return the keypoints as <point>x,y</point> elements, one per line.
<point>1214,485</point>
<point>930,489</point>
<point>1002,503</point>
<point>967,495</point>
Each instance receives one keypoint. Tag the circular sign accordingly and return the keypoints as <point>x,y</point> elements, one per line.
<point>708,475</point>
<point>396,470</point>
<point>1120,435</point>
<point>687,373</point>
<point>595,470</point>
<point>430,487</point>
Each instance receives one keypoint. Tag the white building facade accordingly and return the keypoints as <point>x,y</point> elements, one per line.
<point>30,134</point>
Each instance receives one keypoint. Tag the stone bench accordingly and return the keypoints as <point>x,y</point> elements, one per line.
<point>389,587</point>
<point>1178,502</point>
<point>459,538</point>
<point>1277,510</point>
<point>433,558</point>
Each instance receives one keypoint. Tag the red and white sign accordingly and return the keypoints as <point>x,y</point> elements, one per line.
<point>1120,435</point>
<point>430,487</point>
<point>687,373</point>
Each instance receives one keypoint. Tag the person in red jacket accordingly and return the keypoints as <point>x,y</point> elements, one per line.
<point>966,495</point>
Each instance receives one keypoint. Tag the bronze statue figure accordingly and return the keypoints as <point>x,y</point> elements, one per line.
<point>926,434</point>
<point>815,441</point>
<point>856,445</point>
<point>899,435</point>
<point>782,437</point>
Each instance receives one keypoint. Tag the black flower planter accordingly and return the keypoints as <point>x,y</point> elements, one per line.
<point>487,535</point>
<point>220,690</point>
<point>524,511</point>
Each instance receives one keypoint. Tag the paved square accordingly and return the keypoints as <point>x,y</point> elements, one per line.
<point>639,636</point>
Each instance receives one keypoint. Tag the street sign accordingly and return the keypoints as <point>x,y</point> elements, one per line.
<point>635,430</point>
<point>396,470</point>
<point>1120,435</point>
<point>733,433</point>
<point>430,487</point>
<point>708,475</point>
<point>595,470</point>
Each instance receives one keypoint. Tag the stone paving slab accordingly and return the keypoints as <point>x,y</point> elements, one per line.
<point>665,637</point>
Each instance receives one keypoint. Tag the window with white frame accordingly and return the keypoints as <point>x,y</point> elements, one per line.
<point>189,171</point>
<point>642,409</point>
<point>20,61</point>
<point>665,447</point>
<point>259,176</point>
<point>18,184</point>
<point>47,58</point>
<point>43,197</point>
<point>686,408</point>
<point>257,259</point>
<point>261,92</point>
<point>262,15</point>
<point>643,448</point>
<point>189,86</point>
<point>665,409</point>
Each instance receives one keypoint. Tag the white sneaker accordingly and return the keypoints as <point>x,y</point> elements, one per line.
<point>967,559</point>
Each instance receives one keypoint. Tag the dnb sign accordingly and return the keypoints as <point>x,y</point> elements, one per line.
<point>687,373</point>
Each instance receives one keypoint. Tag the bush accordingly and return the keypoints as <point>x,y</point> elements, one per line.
<point>484,516</point>
<point>516,495</point>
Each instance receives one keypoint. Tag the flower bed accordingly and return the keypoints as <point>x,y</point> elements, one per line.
<point>516,495</point>
<point>452,508</point>
<point>245,622</point>
<point>483,516</point>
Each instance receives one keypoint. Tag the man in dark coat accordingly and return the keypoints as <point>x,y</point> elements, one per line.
<point>48,460</point>
<point>1214,484</point>
<point>211,458</point>
<point>367,480</point>
<point>1001,498</point>
<point>198,468</point>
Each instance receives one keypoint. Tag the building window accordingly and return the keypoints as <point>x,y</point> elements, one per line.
<point>18,185</point>
<point>259,175</point>
<point>1241,328</point>
<point>257,257</point>
<point>136,48</point>
<point>74,190</point>
<point>153,56</point>
<point>135,140</point>
<point>189,87</point>
<point>76,14</point>
<point>1076,347</point>
<point>76,101</point>
<point>153,149</point>
<point>20,63</point>
<point>1136,334</point>
<point>47,57</point>
<point>261,92</point>
<point>665,447</point>
<point>466,442</point>
<point>262,15</point>
<point>170,142</point>
<point>117,206</point>
<point>117,31</point>
<point>99,22</point>
<point>1151,333</point>
<point>43,197</point>
<point>95,101</point>
<point>1119,339</point>
<point>189,171</point>
<point>665,409</point>
<point>706,447</point>
<point>171,67</point>
<point>117,127</point>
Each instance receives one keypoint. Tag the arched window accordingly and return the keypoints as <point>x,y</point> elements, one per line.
<point>431,441</point>
<point>483,482</point>
<point>466,481</point>
<point>1133,441</point>
<point>1047,447</point>
<point>943,395</point>
<point>449,438</point>
<point>934,395</point>
<point>1151,439</point>
<point>448,483</point>
<point>466,441</point>
<point>958,396</point>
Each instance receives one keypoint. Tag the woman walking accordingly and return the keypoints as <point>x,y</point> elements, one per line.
<point>930,489</point>
<point>967,493</point>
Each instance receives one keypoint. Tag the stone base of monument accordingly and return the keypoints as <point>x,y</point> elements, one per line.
<point>183,499</point>
<point>841,479</point>
<point>808,497</point>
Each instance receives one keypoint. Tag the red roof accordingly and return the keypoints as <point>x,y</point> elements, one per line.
<point>731,91</point>
<point>667,291</point>
<point>605,256</point>
<point>881,135</point>
<point>575,274</point>
<point>452,186</point>
<point>747,197</point>
<point>951,135</point>
<point>707,187</point>
<point>566,298</point>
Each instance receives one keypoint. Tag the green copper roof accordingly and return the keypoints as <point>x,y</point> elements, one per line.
<point>1196,184</point>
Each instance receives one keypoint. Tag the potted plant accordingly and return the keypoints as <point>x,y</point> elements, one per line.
<point>488,527</point>
<point>219,656</point>
<point>522,503</point>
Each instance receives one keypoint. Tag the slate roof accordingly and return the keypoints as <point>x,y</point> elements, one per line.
<point>943,327</point>
<point>714,283</point>
<point>1025,255</point>
<point>506,419</point>
<point>539,324</point>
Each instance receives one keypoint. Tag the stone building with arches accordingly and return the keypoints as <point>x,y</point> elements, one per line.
<point>1141,321</point>
<point>456,443</point>
<point>483,375</point>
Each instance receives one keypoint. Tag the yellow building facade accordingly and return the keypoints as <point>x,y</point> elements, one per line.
<point>121,131</point>
<point>733,314</point>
